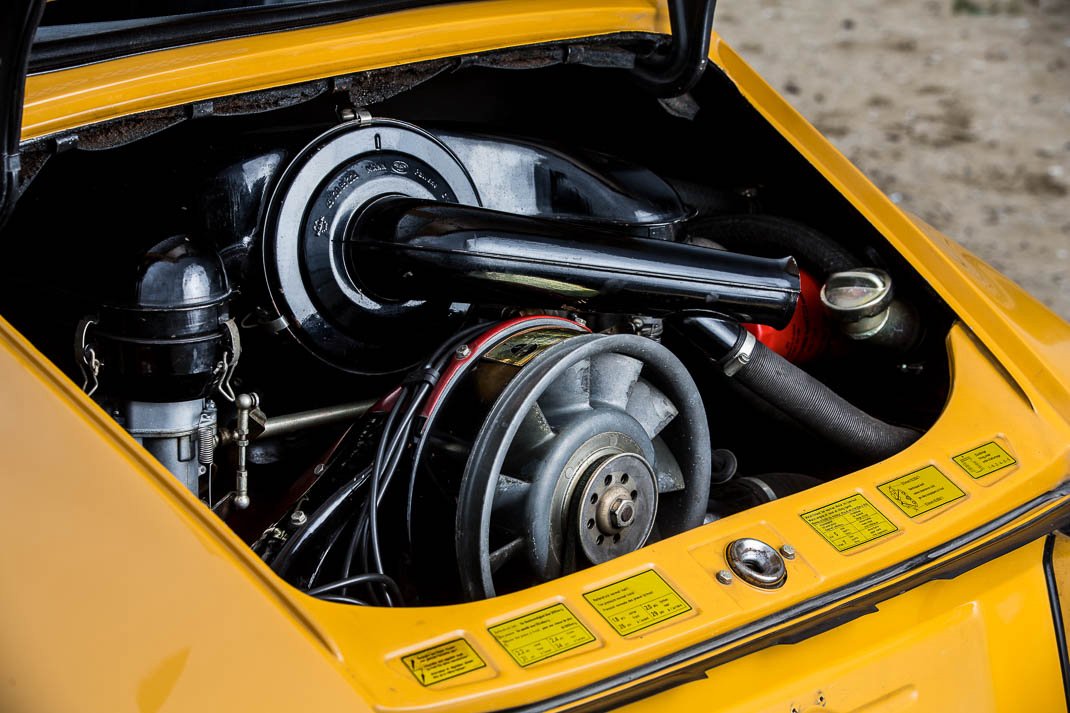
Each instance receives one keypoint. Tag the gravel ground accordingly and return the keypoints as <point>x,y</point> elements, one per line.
<point>958,109</point>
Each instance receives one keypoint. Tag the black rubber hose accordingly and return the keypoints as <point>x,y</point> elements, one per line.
<point>819,408</point>
<point>368,577</point>
<point>344,600</point>
<point>784,484</point>
<point>770,236</point>
<point>749,491</point>
<point>794,392</point>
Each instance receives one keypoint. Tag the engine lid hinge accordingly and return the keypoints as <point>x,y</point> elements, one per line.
<point>674,71</point>
<point>18,23</point>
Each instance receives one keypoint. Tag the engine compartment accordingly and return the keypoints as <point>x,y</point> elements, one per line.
<point>478,333</point>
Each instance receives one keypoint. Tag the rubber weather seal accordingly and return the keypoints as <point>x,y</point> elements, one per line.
<point>698,658</point>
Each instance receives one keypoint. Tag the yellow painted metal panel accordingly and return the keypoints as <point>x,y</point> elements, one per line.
<point>983,641</point>
<point>64,99</point>
<point>121,592</point>
<point>185,615</point>
<point>691,560</point>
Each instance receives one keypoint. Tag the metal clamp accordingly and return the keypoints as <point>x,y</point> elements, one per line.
<point>742,355</point>
<point>86,357</point>
<point>224,370</point>
<point>357,115</point>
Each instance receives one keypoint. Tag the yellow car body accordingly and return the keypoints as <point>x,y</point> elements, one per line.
<point>122,592</point>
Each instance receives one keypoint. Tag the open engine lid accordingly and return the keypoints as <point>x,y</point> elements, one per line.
<point>95,32</point>
<point>670,70</point>
<point>18,22</point>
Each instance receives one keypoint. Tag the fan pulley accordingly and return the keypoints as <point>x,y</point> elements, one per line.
<point>580,448</point>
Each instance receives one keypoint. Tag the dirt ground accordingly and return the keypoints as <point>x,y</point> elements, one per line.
<point>958,109</point>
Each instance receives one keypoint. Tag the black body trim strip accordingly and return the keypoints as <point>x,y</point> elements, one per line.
<point>1057,615</point>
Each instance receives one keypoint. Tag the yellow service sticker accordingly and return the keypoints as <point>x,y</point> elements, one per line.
<point>638,602</point>
<point>921,491</point>
<point>443,662</point>
<point>537,636</point>
<point>984,460</point>
<point>849,523</point>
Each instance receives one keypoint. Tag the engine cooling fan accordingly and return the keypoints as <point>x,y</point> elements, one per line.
<point>577,448</point>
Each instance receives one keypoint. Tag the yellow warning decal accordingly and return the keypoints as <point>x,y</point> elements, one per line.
<point>849,523</point>
<point>638,602</point>
<point>537,636</point>
<point>984,460</point>
<point>921,491</point>
<point>443,662</point>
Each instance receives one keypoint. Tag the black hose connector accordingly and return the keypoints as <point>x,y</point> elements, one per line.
<point>794,392</point>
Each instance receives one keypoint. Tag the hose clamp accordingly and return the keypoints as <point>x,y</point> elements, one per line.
<point>760,485</point>
<point>741,357</point>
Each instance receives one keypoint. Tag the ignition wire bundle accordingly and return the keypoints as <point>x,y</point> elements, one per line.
<point>354,520</point>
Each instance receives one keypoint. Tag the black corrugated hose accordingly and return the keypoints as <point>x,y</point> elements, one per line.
<point>794,392</point>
